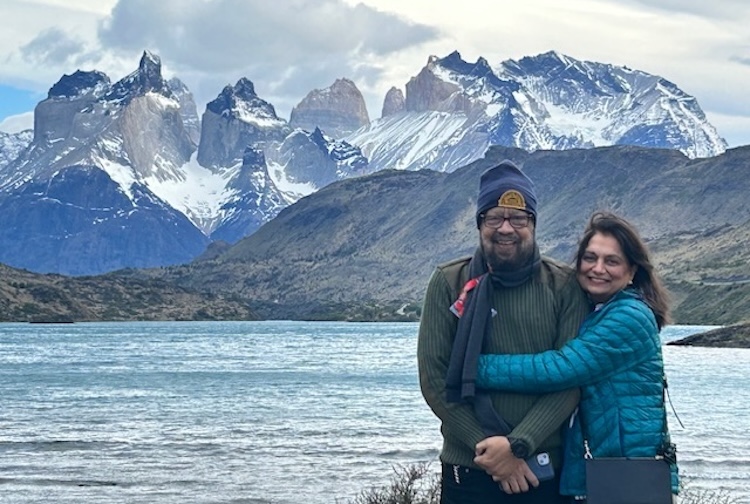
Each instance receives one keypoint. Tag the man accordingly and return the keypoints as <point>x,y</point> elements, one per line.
<point>504,299</point>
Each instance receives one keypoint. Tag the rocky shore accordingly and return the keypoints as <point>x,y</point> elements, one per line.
<point>733,336</point>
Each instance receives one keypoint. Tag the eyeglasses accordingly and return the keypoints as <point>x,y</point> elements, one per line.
<point>517,221</point>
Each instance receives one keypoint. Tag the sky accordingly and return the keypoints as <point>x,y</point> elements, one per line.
<point>287,48</point>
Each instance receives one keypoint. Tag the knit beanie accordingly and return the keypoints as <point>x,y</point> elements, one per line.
<point>505,186</point>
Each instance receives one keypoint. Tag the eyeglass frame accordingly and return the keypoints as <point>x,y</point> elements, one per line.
<point>527,216</point>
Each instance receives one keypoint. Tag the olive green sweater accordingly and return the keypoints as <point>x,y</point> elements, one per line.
<point>539,315</point>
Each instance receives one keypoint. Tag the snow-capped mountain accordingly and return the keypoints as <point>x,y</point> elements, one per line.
<point>235,119</point>
<point>12,144</point>
<point>255,199</point>
<point>609,105</point>
<point>80,221</point>
<point>132,128</point>
<point>77,199</point>
<point>203,181</point>
<point>454,109</point>
<point>317,159</point>
<point>176,179</point>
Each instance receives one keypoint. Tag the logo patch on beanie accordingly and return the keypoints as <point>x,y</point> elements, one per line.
<point>512,199</point>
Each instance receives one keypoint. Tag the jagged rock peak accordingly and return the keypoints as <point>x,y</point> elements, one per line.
<point>150,66</point>
<point>343,86</point>
<point>177,85</point>
<point>454,59</point>
<point>455,63</point>
<point>428,90</point>
<point>146,79</point>
<point>79,83</point>
<point>236,118</point>
<point>339,109</point>
<point>343,92</point>
<point>238,98</point>
<point>394,102</point>
<point>318,137</point>
<point>550,57</point>
<point>244,89</point>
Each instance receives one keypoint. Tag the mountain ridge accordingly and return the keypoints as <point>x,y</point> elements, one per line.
<point>236,167</point>
<point>336,251</point>
<point>341,254</point>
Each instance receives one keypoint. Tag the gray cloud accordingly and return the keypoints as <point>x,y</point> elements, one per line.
<point>742,60</point>
<point>286,47</point>
<point>52,47</point>
<point>726,9</point>
<point>230,35</point>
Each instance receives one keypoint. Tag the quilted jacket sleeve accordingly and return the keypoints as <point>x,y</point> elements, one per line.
<point>618,337</point>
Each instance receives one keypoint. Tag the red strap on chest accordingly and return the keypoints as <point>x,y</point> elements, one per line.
<point>458,306</point>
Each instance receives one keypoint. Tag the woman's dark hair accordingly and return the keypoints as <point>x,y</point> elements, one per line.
<point>645,280</point>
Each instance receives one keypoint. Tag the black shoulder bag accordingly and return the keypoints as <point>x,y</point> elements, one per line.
<point>630,480</point>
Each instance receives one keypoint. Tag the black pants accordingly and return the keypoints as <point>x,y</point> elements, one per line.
<point>471,486</point>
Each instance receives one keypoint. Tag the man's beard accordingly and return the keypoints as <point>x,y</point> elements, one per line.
<point>497,263</point>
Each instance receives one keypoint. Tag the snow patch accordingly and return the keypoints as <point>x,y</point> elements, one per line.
<point>162,101</point>
<point>277,173</point>
<point>198,194</point>
<point>122,175</point>
<point>246,113</point>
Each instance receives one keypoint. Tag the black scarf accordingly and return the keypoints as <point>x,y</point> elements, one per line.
<point>474,327</point>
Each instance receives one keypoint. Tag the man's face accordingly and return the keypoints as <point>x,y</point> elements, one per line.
<point>506,246</point>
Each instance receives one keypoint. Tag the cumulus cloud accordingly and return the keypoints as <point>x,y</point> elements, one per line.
<point>55,47</point>
<point>226,35</point>
<point>50,46</point>
<point>286,47</point>
<point>289,47</point>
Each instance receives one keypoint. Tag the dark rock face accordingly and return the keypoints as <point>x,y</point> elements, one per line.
<point>80,82</point>
<point>137,121</point>
<point>426,91</point>
<point>257,199</point>
<point>236,119</point>
<point>80,222</point>
<point>394,102</point>
<point>188,109</point>
<point>146,79</point>
<point>55,117</point>
<point>318,159</point>
<point>337,110</point>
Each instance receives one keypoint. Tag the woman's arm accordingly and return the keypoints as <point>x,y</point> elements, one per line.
<point>624,335</point>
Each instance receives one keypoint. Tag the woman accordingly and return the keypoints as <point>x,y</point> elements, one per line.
<point>616,358</point>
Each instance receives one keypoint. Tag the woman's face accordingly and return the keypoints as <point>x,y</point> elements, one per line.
<point>604,270</point>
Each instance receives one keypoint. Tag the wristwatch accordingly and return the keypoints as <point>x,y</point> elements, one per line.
<point>519,447</point>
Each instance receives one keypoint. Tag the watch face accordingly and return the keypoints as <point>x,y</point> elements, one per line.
<point>519,448</point>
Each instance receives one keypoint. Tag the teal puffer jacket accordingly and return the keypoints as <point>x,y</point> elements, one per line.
<point>616,360</point>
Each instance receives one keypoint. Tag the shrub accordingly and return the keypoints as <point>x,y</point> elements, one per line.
<point>412,484</point>
<point>417,484</point>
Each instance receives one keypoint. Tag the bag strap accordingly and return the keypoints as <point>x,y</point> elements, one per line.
<point>667,450</point>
